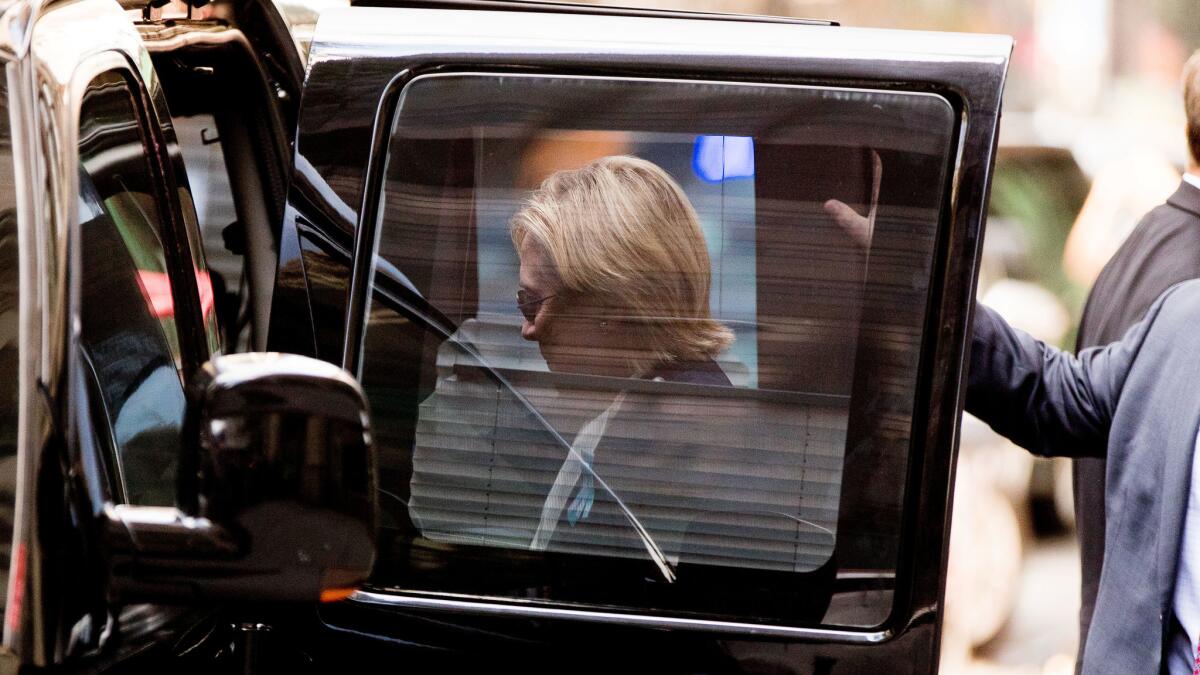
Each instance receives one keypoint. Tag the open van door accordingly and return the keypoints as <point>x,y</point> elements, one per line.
<point>786,512</point>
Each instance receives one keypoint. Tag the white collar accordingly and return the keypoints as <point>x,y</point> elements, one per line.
<point>1191,179</point>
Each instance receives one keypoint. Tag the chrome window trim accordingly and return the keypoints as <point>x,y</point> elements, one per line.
<point>160,41</point>
<point>484,608</point>
<point>29,351</point>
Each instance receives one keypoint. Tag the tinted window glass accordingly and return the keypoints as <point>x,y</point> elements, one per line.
<point>653,343</point>
<point>209,184</point>
<point>9,345</point>
<point>128,325</point>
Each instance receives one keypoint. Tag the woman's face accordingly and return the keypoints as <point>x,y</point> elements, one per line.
<point>573,330</point>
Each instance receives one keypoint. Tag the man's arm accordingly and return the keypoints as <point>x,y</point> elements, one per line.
<point>1046,400</point>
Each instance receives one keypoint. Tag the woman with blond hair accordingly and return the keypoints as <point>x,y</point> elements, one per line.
<point>614,281</point>
<point>614,285</point>
<point>615,275</point>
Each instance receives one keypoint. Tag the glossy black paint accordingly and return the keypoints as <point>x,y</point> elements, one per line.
<point>347,103</point>
<point>71,607</point>
<point>281,65</point>
<point>363,638</point>
<point>71,613</point>
<point>282,507</point>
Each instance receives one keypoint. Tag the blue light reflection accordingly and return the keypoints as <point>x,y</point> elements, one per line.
<point>720,158</point>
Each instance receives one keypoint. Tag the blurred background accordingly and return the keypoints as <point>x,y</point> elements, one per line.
<point>1092,137</point>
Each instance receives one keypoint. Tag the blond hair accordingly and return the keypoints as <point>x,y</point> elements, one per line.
<point>1191,104</point>
<point>620,229</point>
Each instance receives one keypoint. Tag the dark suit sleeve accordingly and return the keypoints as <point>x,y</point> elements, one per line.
<point>1043,399</point>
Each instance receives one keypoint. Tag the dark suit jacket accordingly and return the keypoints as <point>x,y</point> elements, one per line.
<point>1137,402</point>
<point>483,462</point>
<point>1163,250</point>
<point>713,474</point>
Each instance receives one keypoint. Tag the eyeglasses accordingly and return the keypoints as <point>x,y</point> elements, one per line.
<point>529,306</point>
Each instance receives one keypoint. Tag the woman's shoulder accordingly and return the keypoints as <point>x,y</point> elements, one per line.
<point>707,372</point>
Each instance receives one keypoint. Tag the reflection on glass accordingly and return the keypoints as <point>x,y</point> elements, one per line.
<point>207,206</point>
<point>614,275</point>
<point>615,317</point>
<point>614,283</point>
<point>128,333</point>
<point>724,211</point>
<point>721,158</point>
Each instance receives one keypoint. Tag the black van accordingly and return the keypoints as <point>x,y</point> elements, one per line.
<point>191,484</point>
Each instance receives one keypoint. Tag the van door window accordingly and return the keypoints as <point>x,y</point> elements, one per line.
<point>129,334</point>
<point>650,343</point>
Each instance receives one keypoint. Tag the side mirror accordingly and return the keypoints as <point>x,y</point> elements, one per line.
<point>278,503</point>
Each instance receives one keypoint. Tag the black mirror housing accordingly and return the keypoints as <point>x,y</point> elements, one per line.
<point>277,499</point>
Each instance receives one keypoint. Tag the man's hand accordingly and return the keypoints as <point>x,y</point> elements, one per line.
<point>858,227</point>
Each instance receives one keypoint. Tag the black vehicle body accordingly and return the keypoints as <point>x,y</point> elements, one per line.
<point>309,141</point>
